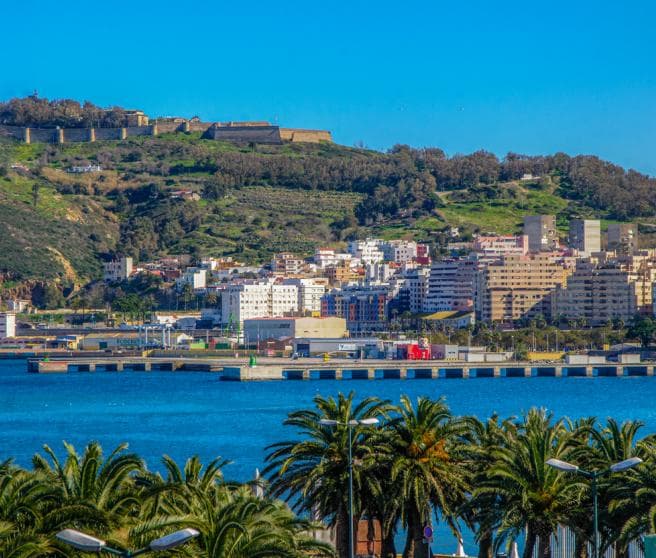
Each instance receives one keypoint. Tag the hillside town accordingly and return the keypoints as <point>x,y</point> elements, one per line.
<point>380,289</point>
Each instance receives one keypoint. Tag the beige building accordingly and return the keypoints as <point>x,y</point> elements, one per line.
<point>623,237</point>
<point>541,232</point>
<point>597,293</point>
<point>517,287</point>
<point>117,270</point>
<point>262,329</point>
<point>585,236</point>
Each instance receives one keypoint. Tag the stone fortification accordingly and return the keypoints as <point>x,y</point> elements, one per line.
<point>239,132</point>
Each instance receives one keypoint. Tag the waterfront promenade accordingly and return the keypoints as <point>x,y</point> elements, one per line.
<point>240,369</point>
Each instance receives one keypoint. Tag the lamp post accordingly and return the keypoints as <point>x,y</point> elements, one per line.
<point>87,543</point>
<point>350,424</point>
<point>594,476</point>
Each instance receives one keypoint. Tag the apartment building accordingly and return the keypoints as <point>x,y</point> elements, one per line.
<point>7,325</point>
<point>399,251</point>
<point>517,287</point>
<point>341,274</point>
<point>310,292</point>
<point>195,277</point>
<point>623,237</point>
<point>416,283</point>
<point>326,257</point>
<point>541,232</point>
<point>367,251</point>
<point>585,236</point>
<point>597,292</point>
<point>117,270</point>
<point>491,247</point>
<point>451,285</point>
<point>258,299</point>
<point>363,308</point>
<point>287,263</point>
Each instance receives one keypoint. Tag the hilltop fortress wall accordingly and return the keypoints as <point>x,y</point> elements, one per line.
<point>239,132</point>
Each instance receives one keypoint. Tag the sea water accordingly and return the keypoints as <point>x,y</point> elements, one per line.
<point>194,413</point>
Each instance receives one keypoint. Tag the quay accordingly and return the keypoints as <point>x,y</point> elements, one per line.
<point>234,369</point>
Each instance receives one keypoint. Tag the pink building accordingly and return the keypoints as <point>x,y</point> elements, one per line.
<point>496,246</point>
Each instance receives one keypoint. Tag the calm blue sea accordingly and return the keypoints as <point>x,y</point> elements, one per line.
<point>183,414</point>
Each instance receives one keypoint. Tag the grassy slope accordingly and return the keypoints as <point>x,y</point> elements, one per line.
<point>65,232</point>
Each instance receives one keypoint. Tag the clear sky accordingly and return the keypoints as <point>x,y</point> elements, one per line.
<point>530,77</point>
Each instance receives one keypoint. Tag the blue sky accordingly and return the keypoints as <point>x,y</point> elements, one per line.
<point>529,77</point>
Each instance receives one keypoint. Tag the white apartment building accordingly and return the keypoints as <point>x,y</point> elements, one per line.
<point>451,285</point>
<point>117,270</point>
<point>7,325</point>
<point>399,251</point>
<point>377,273</point>
<point>258,299</point>
<point>193,276</point>
<point>310,292</point>
<point>326,257</point>
<point>416,283</point>
<point>368,251</point>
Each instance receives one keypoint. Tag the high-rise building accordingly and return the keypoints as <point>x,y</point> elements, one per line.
<point>451,285</point>
<point>310,292</point>
<point>598,293</point>
<point>364,308</point>
<point>258,299</point>
<point>517,287</point>
<point>541,232</point>
<point>585,236</point>
<point>623,237</point>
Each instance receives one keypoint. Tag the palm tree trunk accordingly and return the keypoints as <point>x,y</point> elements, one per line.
<point>485,544</point>
<point>414,542</point>
<point>580,547</point>
<point>530,543</point>
<point>342,535</point>
<point>544,547</point>
<point>388,548</point>
<point>621,550</point>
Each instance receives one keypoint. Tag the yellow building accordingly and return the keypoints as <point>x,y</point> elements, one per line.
<point>597,293</point>
<point>517,287</point>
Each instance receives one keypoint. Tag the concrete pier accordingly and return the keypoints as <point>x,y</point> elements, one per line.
<point>337,369</point>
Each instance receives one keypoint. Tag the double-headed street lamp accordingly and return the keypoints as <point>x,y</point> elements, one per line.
<point>350,424</point>
<point>87,543</point>
<point>594,476</point>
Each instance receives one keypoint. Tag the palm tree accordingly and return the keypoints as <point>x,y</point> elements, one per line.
<point>482,512</point>
<point>183,485</point>
<point>634,497</point>
<point>236,524</point>
<point>312,472</point>
<point>91,491</point>
<point>604,447</point>
<point>536,497</point>
<point>23,498</point>
<point>425,467</point>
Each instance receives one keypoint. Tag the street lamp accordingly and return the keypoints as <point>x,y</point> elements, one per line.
<point>594,476</point>
<point>87,543</point>
<point>350,424</point>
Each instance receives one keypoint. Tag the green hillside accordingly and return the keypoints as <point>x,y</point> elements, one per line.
<point>256,200</point>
